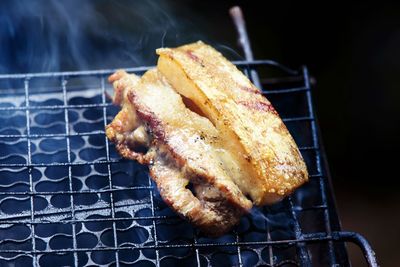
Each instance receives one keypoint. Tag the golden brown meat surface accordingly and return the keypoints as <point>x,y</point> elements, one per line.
<point>270,164</point>
<point>208,135</point>
<point>181,148</point>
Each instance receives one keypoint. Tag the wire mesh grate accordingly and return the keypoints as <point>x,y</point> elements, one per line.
<point>67,198</point>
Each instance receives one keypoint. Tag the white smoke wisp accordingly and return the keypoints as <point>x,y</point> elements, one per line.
<point>47,36</point>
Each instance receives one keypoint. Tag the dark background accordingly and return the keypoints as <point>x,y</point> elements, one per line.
<point>352,50</point>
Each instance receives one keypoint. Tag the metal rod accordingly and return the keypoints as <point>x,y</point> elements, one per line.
<point>240,24</point>
<point>307,84</point>
<point>71,197</point>
<point>29,162</point>
<point>364,245</point>
<point>244,41</point>
<point>154,223</point>
<point>301,247</point>
<point>239,63</point>
<point>100,105</point>
<point>307,238</point>
<point>110,185</point>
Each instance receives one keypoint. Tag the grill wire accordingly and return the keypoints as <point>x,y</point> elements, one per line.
<point>67,198</point>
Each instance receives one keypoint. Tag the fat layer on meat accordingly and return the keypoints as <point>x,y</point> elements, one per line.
<point>252,131</point>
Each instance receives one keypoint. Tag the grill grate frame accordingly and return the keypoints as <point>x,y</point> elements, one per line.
<point>270,248</point>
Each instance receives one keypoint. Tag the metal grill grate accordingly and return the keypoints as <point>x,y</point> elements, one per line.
<point>66,198</point>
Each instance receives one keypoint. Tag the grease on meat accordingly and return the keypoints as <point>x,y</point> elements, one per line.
<point>272,166</point>
<point>209,136</point>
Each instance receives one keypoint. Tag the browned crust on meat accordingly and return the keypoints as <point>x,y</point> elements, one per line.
<point>213,217</point>
<point>243,115</point>
<point>158,130</point>
<point>250,89</point>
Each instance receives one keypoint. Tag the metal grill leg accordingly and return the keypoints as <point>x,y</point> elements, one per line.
<point>318,164</point>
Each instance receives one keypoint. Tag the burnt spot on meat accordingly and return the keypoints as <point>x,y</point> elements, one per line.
<point>154,124</point>
<point>139,149</point>
<point>259,106</point>
<point>194,57</point>
<point>131,97</point>
<point>190,187</point>
<point>138,140</point>
<point>247,158</point>
<point>145,115</point>
<point>250,89</point>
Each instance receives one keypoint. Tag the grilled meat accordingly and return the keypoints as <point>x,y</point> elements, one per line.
<point>208,135</point>
<point>252,131</point>
<point>181,148</point>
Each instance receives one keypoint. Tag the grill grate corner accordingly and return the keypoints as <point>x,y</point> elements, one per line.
<point>67,198</point>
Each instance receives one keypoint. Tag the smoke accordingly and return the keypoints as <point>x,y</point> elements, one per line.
<point>40,36</point>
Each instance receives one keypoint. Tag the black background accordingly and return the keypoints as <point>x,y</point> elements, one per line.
<point>352,50</point>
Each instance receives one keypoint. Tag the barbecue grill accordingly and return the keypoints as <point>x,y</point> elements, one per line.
<point>67,198</point>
